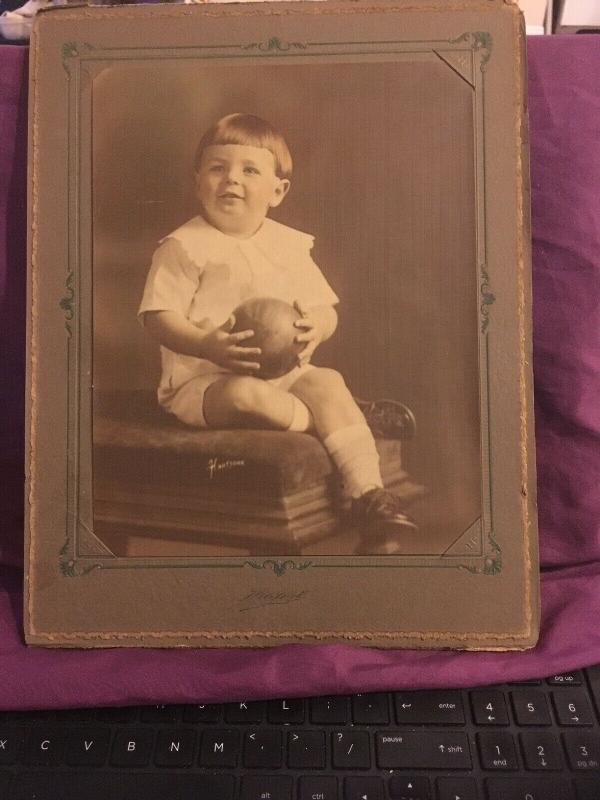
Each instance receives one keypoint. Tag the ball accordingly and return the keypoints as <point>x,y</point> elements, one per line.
<point>272,321</point>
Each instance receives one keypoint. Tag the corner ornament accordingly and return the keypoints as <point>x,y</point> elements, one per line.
<point>72,50</point>
<point>480,42</point>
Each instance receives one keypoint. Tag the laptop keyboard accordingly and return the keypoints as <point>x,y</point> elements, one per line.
<point>538,740</point>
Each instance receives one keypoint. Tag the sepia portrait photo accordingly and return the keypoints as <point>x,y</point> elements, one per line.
<point>286,302</point>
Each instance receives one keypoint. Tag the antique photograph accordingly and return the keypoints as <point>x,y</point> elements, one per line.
<point>286,308</point>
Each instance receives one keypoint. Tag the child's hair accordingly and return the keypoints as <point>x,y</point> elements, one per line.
<point>247,129</point>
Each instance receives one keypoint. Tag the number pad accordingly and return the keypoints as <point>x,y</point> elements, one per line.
<point>541,751</point>
<point>489,707</point>
<point>497,751</point>
<point>583,749</point>
<point>572,708</point>
<point>531,707</point>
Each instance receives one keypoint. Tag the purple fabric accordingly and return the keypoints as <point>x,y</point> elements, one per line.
<point>564,80</point>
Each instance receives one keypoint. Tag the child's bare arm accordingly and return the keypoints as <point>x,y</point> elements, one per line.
<point>203,340</point>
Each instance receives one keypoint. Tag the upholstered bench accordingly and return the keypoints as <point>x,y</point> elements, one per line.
<point>266,492</point>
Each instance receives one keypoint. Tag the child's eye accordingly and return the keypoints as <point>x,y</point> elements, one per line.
<point>251,171</point>
<point>216,168</point>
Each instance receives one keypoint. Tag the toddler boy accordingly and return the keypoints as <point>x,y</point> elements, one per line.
<point>233,251</point>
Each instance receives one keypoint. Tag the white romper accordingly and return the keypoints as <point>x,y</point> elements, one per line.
<point>204,274</point>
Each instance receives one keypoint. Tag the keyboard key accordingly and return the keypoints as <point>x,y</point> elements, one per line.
<point>530,707</point>
<point>572,707</point>
<point>321,787</point>
<point>306,750</point>
<point>586,788</point>
<point>175,748</point>
<point>351,749</point>
<point>429,708</point>
<point>117,715</point>
<point>529,788</point>
<point>217,787</point>
<point>266,787</point>
<point>489,707</point>
<point>409,788</point>
<point>263,749</point>
<point>329,710</point>
<point>574,678</point>
<point>583,749</point>
<point>497,750</point>
<point>363,789</point>
<point>423,750</point>
<point>44,747</point>
<point>251,713</point>
<point>87,747</point>
<point>593,674</point>
<point>457,789</point>
<point>76,715</point>
<point>286,712</point>
<point>370,709</point>
<point>5,779</point>
<point>11,744</point>
<point>220,748</point>
<point>82,785</point>
<point>159,714</point>
<point>132,748</point>
<point>541,751</point>
<point>210,712</point>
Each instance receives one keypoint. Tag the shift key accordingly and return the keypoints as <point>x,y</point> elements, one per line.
<point>423,750</point>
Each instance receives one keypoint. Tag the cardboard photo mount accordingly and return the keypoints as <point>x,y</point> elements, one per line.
<point>408,127</point>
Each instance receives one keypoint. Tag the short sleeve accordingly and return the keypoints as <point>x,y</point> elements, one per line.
<point>172,280</point>
<point>314,290</point>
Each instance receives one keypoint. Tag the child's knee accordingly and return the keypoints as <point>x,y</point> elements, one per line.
<point>324,381</point>
<point>244,395</point>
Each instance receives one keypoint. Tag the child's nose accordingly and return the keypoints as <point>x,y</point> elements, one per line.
<point>233,175</point>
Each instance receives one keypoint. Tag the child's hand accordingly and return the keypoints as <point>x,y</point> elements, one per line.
<point>224,348</point>
<point>311,333</point>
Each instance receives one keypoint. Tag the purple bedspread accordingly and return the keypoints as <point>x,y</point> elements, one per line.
<point>564,84</point>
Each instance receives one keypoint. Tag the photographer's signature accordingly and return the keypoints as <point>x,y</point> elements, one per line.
<point>261,599</point>
<point>215,466</point>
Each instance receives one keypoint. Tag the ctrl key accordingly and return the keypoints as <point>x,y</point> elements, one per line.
<point>317,787</point>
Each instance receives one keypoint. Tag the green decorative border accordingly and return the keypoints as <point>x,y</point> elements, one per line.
<point>67,302</point>
<point>82,60</point>
<point>279,567</point>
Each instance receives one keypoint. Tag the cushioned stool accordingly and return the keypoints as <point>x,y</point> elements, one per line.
<point>266,492</point>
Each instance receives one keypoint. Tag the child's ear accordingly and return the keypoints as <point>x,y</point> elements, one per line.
<point>280,191</point>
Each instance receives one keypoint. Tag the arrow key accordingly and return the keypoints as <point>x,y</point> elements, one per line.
<point>572,707</point>
<point>489,707</point>
<point>363,789</point>
<point>457,789</point>
<point>406,788</point>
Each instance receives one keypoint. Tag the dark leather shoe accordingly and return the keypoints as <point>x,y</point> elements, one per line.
<point>382,522</point>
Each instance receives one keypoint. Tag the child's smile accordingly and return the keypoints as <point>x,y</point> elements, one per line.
<point>236,185</point>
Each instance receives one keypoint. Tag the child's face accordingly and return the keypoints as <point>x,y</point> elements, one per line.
<point>237,185</point>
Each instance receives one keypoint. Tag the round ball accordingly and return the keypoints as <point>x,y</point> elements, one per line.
<point>272,321</point>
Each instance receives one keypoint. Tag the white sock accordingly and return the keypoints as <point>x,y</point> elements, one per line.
<point>353,451</point>
<point>302,419</point>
